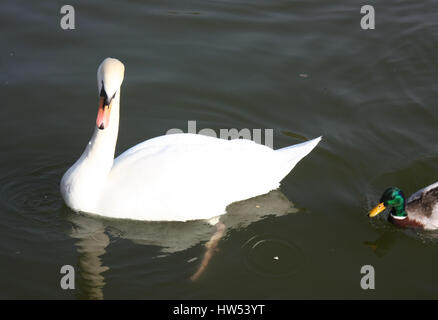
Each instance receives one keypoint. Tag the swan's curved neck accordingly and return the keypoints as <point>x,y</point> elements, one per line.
<point>83,184</point>
<point>102,145</point>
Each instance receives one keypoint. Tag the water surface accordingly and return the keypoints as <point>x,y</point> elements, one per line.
<point>301,68</point>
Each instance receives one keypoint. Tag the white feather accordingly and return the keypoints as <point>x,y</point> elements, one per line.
<point>175,177</point>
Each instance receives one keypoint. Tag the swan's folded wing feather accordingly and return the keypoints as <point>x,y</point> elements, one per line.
<point>190,171</point>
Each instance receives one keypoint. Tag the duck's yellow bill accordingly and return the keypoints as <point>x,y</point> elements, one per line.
<point>379,208</point>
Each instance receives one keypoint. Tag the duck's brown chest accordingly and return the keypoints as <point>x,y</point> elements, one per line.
<point>405,223</point>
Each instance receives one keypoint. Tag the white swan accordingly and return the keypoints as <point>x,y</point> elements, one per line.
<point>176,177</point>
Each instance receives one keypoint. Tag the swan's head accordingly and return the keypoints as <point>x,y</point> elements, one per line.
<point>109,79</point>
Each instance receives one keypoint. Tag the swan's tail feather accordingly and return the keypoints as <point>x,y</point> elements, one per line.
<point>298,151</point>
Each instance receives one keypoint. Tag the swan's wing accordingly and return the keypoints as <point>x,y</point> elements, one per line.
<point>164,177</point>
<point>187,177</point>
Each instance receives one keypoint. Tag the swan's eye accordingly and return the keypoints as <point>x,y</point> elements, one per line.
<point>103,93</point>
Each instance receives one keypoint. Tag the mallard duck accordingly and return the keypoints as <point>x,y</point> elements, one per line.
<point>419,211</point>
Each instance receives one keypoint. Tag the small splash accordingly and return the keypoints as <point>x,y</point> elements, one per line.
<point>272,257</point>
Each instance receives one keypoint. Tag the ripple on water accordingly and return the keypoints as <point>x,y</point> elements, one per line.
<point>32,189</point>
<point>272,257</point>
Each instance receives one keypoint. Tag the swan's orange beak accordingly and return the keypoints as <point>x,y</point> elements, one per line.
<point>103,113</point>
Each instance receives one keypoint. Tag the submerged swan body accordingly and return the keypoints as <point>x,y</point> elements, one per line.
<point>176,177</point>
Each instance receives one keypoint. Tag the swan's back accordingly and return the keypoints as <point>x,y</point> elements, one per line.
<point>188,176</point>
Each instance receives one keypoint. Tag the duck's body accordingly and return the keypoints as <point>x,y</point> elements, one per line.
<point>420,210</point>
<point>175,177</point>
<point>422,207</point>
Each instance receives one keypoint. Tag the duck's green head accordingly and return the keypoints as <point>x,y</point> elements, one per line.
<point>394,199</point>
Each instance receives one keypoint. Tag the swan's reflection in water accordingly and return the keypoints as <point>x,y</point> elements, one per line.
<point>91,244</point>
<point>93,234</point>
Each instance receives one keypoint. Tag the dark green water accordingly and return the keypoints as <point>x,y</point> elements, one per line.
<point>301,68</point>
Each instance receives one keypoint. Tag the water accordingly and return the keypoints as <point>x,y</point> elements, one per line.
<point>301,68</point>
